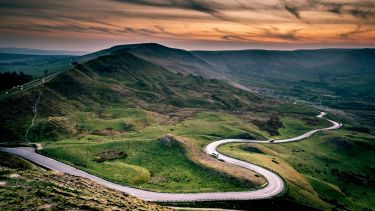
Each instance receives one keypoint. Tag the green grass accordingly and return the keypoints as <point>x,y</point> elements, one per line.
<point>208,126</point>
<point>294,126</point>
<point>150,125</point>
<point>315,161</point>
<point>125,103</point>
<point>150,165</point>
<point>115,118</point>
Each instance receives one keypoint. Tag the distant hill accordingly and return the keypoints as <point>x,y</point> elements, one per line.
<point>175,60</point>
<point>342,79</point>
<point>339,78</point>
<point>158,78</point>
<point>332,67</point>
<point>30,51</point>
<point>34,65</point>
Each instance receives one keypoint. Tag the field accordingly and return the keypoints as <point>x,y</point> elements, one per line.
<point>150,162</point>
<point>330,169</point>
<point>153,163</point>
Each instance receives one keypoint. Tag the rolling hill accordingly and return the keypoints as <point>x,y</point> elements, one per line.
<point>341,79</point>
<point>122,78</point>
<point>125,99</point>
<point>174,60</point>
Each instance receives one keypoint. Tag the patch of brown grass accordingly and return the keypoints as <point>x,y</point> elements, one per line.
<point>108,132</point>
<point>108,156</point>
<point>39,189</point>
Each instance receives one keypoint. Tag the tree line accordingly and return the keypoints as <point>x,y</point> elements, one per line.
<point>11,79</point>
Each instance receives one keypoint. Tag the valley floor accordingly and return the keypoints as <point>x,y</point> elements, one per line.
<point>314,179</point>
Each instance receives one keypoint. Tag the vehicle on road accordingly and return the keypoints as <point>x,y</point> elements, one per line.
<point>215,155</point>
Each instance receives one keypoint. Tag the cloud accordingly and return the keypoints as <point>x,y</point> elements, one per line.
<point>233,37</point>
<point>278,21</point>
<point>272,32</point>
<point>364,10</point>
<point>357,30</point>
<point>56,28</point>
<point>292,9</point>
<point>206,7</point>
<point>361,13</point>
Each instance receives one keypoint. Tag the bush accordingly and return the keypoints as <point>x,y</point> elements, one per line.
<point>108,156</point>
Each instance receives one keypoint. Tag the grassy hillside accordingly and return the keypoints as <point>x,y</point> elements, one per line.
<point>331,68</point>
<point>329,170</point>
<point>110,116</point>
<point>342,79</point>
<point>174,60</point>
<point>27,187</point>
<point>123,80</point>
<point>148,164</point>
<point>121,103</point>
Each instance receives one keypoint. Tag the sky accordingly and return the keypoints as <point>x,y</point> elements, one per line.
<point>90,25</point>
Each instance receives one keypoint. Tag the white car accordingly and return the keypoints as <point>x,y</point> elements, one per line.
<point>215,155</point>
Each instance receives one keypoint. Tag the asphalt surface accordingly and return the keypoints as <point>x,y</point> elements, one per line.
<point>274,187</point>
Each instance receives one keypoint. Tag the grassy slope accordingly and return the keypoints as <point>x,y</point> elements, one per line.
<point>338,78</point>
<point>150,164</point>
<point>122,100</point>
<point>28,187</point>
<point>124,96</point>
<point>327,170</point>
<point>121,80</point>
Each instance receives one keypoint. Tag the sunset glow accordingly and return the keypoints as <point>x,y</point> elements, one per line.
<point>190,24</point>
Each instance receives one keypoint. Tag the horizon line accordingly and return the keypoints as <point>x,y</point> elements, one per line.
<point>145,43</point>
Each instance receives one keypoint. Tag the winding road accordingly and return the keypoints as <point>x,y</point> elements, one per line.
<point>274,187</point>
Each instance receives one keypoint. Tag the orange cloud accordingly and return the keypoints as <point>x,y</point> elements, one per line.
<point>176,22</point>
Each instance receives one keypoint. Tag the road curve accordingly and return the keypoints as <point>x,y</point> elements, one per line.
<point>274,187</point>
